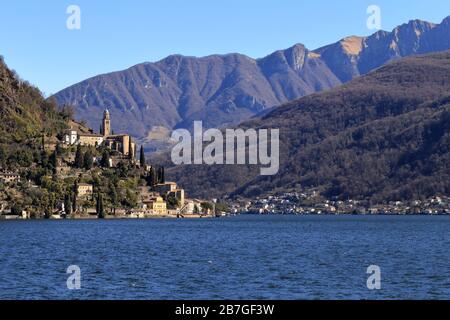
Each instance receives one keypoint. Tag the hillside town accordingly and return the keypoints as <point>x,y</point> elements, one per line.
<point>96,175</point>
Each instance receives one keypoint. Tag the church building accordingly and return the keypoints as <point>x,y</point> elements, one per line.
<point>118,142</point>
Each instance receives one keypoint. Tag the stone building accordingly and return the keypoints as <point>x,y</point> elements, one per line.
<point>118,142</point>
<point>156,205</point>
<point>85,190</point>
<point>166,187</point>
<point>8,177</point>
<point>170,189</point>
<point>93,140</point>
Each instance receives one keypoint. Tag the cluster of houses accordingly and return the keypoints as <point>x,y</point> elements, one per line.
<point>9,176</point>
<point>151,202</point>
<point>310,203</point>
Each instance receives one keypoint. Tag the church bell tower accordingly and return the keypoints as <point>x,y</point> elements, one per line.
<point>106,125</point>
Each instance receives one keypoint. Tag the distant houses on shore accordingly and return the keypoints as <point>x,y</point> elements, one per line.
<point>310,202</point>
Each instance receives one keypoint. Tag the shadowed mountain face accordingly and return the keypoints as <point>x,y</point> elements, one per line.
<point>149,98</point>
<point>383,136</point>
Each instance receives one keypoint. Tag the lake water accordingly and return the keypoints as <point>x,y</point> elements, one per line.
<point>244,257</point>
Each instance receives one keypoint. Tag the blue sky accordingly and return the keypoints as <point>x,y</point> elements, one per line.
<point>117,34</point>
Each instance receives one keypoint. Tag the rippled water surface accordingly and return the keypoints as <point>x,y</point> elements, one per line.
<point>246,257</point>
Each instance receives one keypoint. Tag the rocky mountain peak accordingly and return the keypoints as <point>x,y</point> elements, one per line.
<point>417,27</point>
<point>296,56</point>
<point>353,45</point>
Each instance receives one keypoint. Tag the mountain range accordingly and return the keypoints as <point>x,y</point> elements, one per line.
<point>150,99</point>
<point>384,136</point>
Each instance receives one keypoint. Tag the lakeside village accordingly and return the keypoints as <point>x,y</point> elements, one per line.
<point>86,175</point>
<point>310,202</point>
<point>83,175</point>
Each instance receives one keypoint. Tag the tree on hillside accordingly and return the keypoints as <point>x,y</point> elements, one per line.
<point>59,150</point>
<point>75,195</point>
<point>173,202</point>
<point>207,206</point>
<point>161,178</point>
<point>196,209</point>
<point>67,205</point>
<point>114,197</point>
<point>142,157</point>
<point>16,209</point>
<point>53,161</point>
<point>158,175</point>
<point>47,211</point>
<point>152,178</point>
<point>44,159</point>
<point>68,112</point>
<point>130,198</point>
<point>79,157</point>
<point>221,206</point>
<point>105,159</point>
<point>3,155</point>
<point>43,142</point>
<point>100,208</point>
<point>88,161</point>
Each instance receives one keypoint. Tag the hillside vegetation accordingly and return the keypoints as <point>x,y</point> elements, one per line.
<point>26,120</point>
<point>384,136</point>
<point>50,171</point>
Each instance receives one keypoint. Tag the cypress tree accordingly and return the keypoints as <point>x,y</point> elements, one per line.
<point>142,157</point>
<point>53,160</point>
<point>163,178</point>
<point>105,159</point>
<point>44,159</point>
<point>59,149</point>
<point>160,175</point>
<point>75,195</point>
<point>47,212</point>
<point>88,161</point>
<point>100,209</point>
<point>97,208</point>
<point>114,197</point>
<point>67,205</point>
<point>152,177</point>
<point>79,158</point>
<point>155,178</point>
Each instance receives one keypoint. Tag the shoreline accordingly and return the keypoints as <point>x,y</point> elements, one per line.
<point>174,217</point>
<point>84,217</point>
